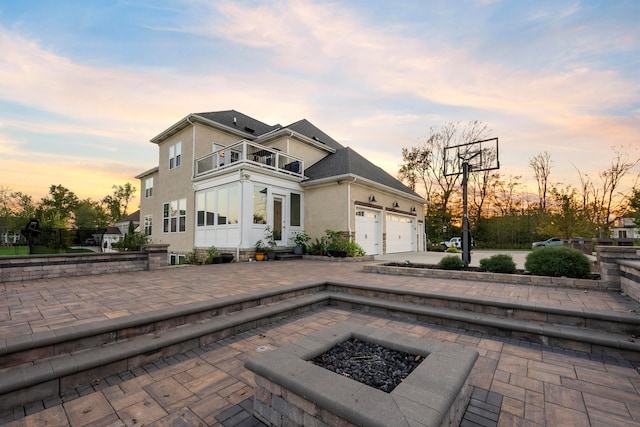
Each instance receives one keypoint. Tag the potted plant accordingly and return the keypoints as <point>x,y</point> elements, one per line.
<point>300,239</point>
<point>213,256</point>
<point>260,249</point>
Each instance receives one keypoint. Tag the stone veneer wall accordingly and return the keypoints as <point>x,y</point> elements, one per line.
<point>33,267</point>
<point>630,278</point>
<point>610,261</point>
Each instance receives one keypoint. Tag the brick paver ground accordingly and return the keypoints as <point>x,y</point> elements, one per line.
<point>537,385</point>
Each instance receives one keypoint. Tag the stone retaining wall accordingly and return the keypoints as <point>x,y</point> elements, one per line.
<point>33,267</point>
<point>630,278</point>
<point>617,265</point>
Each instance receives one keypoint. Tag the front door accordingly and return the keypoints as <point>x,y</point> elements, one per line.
<point>279,220</point>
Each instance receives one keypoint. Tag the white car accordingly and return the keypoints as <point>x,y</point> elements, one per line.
<point>456,242</point>
<point>554,241</point>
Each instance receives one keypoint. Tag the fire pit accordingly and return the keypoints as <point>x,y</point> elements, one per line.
<point>291,390</point>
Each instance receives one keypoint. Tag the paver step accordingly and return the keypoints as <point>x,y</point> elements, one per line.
<point>40,365</point>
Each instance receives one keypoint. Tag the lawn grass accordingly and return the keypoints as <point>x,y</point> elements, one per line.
<point>14,250</point>
<point>37,250</point>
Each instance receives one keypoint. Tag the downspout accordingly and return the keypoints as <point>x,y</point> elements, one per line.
<point>241,214</point>
<point>193,146</point>
<point>349,206</point>
<point>290,136</point>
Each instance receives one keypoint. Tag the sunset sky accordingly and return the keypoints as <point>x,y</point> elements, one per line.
<point>85,84</point>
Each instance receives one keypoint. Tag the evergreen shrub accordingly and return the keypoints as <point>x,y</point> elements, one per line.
<point>451,262</point>
<point>498,263</point>
<point>560,261</point>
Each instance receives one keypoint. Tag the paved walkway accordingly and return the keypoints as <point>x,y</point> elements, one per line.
<point>539,385</point>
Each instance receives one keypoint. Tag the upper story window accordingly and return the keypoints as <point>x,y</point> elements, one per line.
<point>174,216</point>
<point>148,187</point>
<point>175,155</point>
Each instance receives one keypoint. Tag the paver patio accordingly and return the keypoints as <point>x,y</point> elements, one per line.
<point>538,385</point>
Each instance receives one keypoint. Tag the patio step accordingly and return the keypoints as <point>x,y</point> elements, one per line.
<point>39,366</point>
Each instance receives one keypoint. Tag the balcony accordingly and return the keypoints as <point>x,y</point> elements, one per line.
<point>246,152</point>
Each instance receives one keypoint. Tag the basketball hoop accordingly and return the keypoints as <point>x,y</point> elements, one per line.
<point>477,156</point>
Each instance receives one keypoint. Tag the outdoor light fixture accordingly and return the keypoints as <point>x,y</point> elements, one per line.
<point>413,208</point>
<point>395,204</point>
<point>372,198</point>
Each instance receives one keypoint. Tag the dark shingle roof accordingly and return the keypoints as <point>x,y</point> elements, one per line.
<point>309,130</point>
<point>242,122</point>
<point>135,217</point>
<point>346,161</point>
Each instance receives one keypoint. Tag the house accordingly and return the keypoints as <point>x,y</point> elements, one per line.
<point>224,177</point>
<point>624,228</point>
<point>110,236</point>
<point>123,223</point>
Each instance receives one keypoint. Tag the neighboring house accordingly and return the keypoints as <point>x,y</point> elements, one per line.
<point>223,177</point>
<point>111,235</point>
<point>624,228</point>
<point>123,224</point>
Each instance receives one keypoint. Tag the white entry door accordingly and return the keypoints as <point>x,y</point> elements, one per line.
<point>368,230</point>
<point>279,220</point>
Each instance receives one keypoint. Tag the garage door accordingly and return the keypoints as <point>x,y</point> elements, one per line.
<point>368,230</point>
<point>400,233</point>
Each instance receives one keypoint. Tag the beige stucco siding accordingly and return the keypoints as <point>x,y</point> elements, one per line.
<point>173,184</point>
<point>325,208</point>
<point>206,137</point>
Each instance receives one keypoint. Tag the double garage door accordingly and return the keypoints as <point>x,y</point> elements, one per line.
<point>400,232</point>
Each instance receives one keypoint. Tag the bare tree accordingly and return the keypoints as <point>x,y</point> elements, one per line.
<point>423,166</point>
<point>541,165</point>
<point>603,201</point>
<point>505,195</point>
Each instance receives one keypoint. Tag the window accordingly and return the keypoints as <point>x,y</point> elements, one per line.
<point>174,216</point>
<point>148,187</point>
<point>175,259</point>
<point>219,206</point>
<point>295,210</point>
<point>259,205</point>
<point>175,155</point>
<point>148,222</point>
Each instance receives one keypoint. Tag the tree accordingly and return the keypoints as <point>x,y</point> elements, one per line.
<point>117,203</point>
<point>505,195</point>
<point>423,170</point>
<point>541,165</point>
<point>634,205</point>
<point>89,214</point>
<point>55,210</point>
<point>606,200</point>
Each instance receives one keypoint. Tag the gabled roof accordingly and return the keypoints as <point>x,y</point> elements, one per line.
<point>135,217</point>
<point>237,120</point>
<point>346,161</point>
<point>308,129</point>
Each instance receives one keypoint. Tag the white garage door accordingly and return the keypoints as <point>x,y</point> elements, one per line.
<point>368,230</point>
<point>400,233</point>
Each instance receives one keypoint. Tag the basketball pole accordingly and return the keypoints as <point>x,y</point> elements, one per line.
<point>466,233</point>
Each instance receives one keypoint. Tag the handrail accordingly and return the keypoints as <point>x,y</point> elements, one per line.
<point>249,152</point>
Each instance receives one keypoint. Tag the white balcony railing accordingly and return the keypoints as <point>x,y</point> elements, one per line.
<point>251,153</point>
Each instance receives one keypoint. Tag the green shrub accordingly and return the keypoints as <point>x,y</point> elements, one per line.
<point>558,262</point>
<point>498,263</point>
<point>191,258</point>
<point>451,262</point>
<point>452,249</point>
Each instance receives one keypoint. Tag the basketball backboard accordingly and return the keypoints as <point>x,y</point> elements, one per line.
<point>479,155</point>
